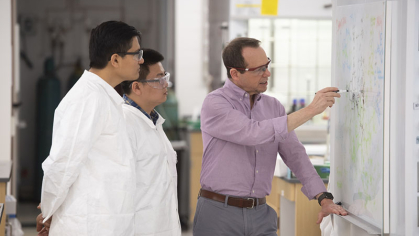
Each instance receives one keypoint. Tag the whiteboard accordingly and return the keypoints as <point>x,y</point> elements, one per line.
<point>358,150</point>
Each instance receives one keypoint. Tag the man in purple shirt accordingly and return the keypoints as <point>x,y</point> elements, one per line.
<point>242,132</point>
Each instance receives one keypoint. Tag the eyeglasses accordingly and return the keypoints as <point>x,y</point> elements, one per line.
<point>136,55</point>
<point>257,70</point>
<point>157,83</point>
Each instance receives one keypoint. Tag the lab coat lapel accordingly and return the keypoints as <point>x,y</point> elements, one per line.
<point>147,120</point>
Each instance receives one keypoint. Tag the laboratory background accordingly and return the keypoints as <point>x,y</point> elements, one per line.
<point>44,48</point>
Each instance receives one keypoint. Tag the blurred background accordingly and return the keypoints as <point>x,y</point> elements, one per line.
<point>50,52</point>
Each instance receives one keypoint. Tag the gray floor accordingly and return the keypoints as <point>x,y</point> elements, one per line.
<point>30,231</point>
<point>27,212</point>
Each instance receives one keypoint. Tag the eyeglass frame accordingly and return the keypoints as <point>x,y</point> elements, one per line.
<point>166,75</point>
<point>251,69</point>
<point>139,52</point>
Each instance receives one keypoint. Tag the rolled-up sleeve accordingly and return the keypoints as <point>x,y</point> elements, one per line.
<point>295,157</point>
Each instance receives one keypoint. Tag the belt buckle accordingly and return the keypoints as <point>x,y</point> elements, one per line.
<point>253,203</point>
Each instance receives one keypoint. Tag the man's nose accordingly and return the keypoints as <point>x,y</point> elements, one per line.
<point>267,73</point>
<point>166,84</point>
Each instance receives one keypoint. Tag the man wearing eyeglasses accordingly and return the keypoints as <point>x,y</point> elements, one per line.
<point>156,177</point>
<point>242,132</point>
<point>89,176</point>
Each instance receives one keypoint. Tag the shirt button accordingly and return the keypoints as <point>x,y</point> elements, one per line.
<point>253,191</point>
<point>257,151</point>
<point>257,171</point>
<point>245,95</point>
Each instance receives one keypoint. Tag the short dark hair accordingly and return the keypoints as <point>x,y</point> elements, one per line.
<point>109,38</point>
<point>232,53</point>
<point>151,57</point>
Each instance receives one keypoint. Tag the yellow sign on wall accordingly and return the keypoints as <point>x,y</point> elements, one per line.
<point>269,7</point>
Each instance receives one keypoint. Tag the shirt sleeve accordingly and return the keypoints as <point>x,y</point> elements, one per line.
<point>220,120</point>
<point>295,157</point>
<point>74,133</point>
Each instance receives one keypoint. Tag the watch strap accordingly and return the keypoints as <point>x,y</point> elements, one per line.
<point>324,195</point>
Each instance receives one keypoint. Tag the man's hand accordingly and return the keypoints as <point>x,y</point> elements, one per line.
<point>323,99</point>
<point>329,207</point>
<point>43,232</point>
<point>42,228</point>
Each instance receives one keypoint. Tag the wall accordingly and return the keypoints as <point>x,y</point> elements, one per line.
<point>6,85</point>
<point>192,83</point>
<point>40,22</point>
<point>397,137</point>
<point>411,66</point>
<point>415,117</point>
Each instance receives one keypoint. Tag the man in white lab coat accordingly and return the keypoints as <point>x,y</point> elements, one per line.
<point>89,176</point>
<point>156,198</point>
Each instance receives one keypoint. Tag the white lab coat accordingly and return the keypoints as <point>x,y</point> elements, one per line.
<point>89,176</point>
<point>156,198</point>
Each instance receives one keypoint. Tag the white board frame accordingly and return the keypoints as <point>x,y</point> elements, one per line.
<point>387,112</point>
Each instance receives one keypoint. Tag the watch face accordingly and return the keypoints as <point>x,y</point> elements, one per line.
<point>328,195</point>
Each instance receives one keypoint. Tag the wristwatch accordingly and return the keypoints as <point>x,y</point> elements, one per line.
<point>325,195</point>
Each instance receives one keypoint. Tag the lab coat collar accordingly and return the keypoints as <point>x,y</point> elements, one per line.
<point>236,92</point>
<point>148,121</point>
<point>94,78</point>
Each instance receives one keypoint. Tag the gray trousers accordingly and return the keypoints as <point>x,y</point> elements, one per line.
<point>214,218</point>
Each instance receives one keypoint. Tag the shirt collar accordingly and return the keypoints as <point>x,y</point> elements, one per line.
<point>154,116</point>
<point>108,88</point>
<point>236,92</point>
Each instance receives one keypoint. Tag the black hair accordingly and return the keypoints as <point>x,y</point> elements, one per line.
<point>109,38</point>
<point>232,53</point>
<point>151,57</point>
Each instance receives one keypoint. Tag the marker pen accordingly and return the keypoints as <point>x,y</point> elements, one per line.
<point>340,91</point>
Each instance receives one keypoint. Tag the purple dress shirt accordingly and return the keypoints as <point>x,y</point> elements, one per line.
<point>241,145</point>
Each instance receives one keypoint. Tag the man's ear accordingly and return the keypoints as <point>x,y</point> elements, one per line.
<point>115,59</point>
<point>234,74</point>
<point>137,88</point>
